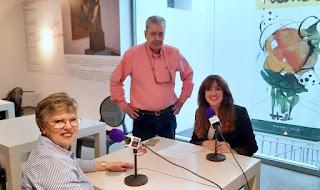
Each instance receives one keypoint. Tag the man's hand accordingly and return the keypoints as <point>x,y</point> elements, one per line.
<point>176,107</point>
<point>132,111</point>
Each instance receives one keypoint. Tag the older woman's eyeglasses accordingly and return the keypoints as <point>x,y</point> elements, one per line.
<point>61,123</point>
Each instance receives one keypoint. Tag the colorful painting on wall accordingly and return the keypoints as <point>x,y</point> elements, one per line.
<point>289,63</point>
<point>291,52</point>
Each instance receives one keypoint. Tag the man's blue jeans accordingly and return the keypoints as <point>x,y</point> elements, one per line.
<point>147,126</point>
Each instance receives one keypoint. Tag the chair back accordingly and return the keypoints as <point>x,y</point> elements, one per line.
<point>111,114</point>
<point>15,96</point>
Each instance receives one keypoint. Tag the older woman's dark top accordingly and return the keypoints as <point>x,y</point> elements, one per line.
<point>242,139</point>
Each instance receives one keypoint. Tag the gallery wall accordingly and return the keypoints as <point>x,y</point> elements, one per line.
<point>14,66</point>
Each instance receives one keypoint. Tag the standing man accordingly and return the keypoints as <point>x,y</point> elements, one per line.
<point>152,67</point>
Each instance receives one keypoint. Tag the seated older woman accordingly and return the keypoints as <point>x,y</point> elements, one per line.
<point>51,164</point>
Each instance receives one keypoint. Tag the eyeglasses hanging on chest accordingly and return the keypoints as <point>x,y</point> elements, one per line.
<point>160,68</point>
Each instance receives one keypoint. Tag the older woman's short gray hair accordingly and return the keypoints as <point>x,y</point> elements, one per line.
<point>156,20</point>
<point>54,104</point>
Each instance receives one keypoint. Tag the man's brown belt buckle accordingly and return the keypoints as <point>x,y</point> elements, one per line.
<point>157,113</point>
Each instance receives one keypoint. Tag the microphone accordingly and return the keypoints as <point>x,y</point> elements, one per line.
<point>214,128</point>
<point>117,135</point>
<point>136,179</point>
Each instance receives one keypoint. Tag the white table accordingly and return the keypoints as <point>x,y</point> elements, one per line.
<point>19,135</point>
<point>8,107</point>
<point>163,175</point>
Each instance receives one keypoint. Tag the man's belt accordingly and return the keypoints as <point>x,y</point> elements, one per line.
<point>168,110</point>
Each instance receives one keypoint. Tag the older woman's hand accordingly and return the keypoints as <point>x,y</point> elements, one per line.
<point>118,166</point>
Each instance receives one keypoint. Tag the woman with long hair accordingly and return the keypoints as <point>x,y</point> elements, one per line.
<point>235,122</point>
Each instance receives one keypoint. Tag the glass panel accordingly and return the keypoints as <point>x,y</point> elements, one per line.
<point>233,35</point>
<point>191,32</point>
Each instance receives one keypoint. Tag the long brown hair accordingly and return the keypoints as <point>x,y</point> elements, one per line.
<point>226,111</point>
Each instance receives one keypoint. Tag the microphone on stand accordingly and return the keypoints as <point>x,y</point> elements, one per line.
<point>213,129</point>
<point>136,179</point>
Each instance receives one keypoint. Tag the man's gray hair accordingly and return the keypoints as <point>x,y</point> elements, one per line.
<point>156,20</point>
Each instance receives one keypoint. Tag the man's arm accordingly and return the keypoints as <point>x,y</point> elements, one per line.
<point>186,76</point>
<point>118,76</point>
<point>116,82</point>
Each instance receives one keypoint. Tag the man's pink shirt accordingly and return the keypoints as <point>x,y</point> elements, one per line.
<point>145,93</point>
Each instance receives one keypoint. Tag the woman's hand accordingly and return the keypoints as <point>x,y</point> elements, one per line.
<point>114,166</point>
<point>209,144</point>
<point>224,147</point>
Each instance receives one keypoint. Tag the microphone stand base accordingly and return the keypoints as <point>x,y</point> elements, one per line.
<point>136,180</point>
<point>216,157</point>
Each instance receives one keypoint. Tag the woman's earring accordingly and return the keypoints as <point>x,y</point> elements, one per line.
<point>42,131</point>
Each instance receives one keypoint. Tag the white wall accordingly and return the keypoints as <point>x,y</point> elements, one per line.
<point>110,23</point>
<point>89,94</point>
<point>235,44</point>
<point>13,67</point>
<point>235,50</point>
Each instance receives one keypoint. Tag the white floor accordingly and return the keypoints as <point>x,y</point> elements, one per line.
<point>272,178</point>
